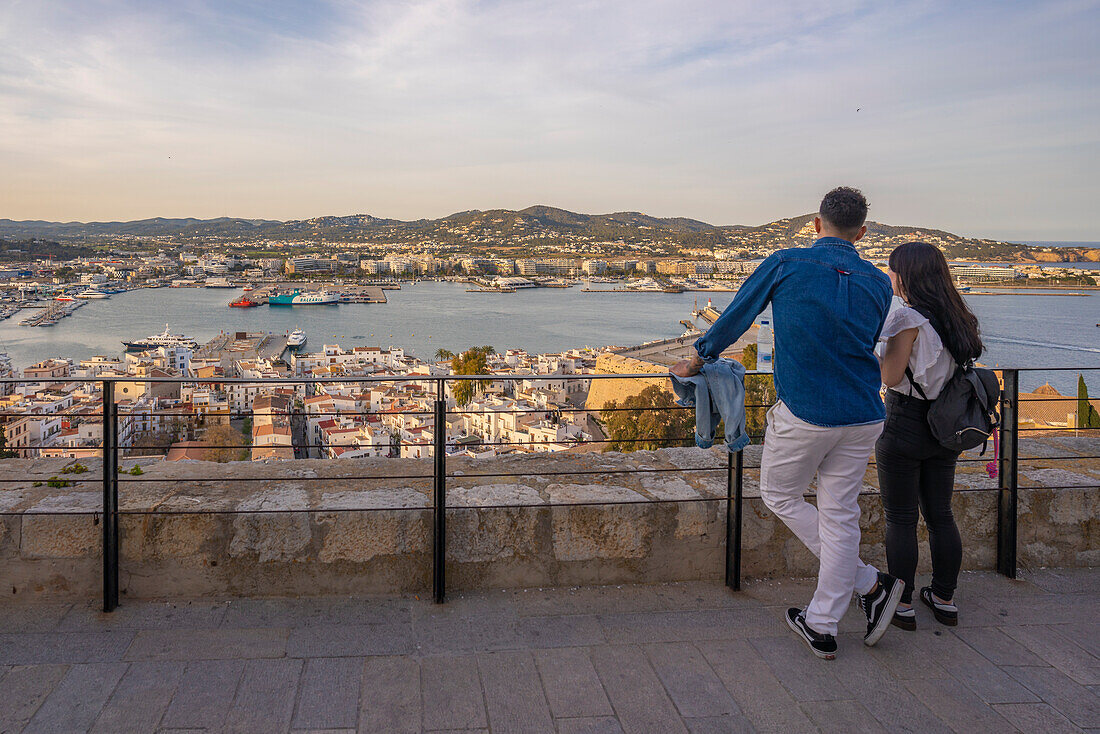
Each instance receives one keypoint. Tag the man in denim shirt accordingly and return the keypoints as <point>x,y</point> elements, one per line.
<point>828,307</point>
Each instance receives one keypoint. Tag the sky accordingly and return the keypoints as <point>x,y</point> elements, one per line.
<point>980,118</point>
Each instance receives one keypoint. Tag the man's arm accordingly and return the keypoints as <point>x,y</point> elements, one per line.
<point>751,299</point>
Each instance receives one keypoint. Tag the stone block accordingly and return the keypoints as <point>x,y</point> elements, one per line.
<point>160,537</point>
<point>586,533</point>
<point>60,536</point>
<point>481,536</point>
<point>362,536</point>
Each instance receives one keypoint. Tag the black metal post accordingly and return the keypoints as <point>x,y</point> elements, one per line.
<point>1008,474</point>
<point>110,497</point>
<point>735,478</point>
<point>439,532</point>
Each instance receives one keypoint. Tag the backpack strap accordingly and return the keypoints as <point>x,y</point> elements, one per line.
<point>913,384</point>
<point>979,388</point>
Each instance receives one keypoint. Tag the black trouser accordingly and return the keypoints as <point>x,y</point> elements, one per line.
<point>915,471</point>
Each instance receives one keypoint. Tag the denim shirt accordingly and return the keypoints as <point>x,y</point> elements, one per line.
<point>718,393</point>
<point>828,307</point>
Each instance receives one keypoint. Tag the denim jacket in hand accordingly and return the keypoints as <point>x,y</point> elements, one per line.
<point>828,307</point>
<point>718,393</point>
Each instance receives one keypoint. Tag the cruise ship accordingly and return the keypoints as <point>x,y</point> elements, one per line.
<point>297,298</point>
<point>164,339</point>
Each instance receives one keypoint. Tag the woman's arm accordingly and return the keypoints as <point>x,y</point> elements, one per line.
<point>898,349</point>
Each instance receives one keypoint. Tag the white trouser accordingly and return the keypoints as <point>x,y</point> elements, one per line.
<point>794,451</point>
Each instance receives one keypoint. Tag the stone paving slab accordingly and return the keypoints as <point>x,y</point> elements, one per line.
<point>692,657</point>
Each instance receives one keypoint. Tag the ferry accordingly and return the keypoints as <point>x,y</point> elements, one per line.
<point>296,339</point>
<point>163,339</point>
<point>297,298</point>
<point>243,302</point>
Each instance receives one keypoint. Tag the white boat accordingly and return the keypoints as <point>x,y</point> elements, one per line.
<point>93,294</point>
<point>163,339</point>
<point>296,339</point>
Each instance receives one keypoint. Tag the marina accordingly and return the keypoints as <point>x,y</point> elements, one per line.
<point>52,313</point>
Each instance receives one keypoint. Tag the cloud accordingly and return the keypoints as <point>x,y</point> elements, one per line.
<point>729,112</point>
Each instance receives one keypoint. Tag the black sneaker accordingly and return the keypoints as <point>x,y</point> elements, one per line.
<point>906,620</point>
<point>824,646</point>
<point>944,613</point>
<point>879,606</point>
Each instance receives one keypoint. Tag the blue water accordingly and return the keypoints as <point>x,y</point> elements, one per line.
<point>1020,330</point>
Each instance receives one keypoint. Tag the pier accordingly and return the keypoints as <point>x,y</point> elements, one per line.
<point>708,313</point>
<point>243,345</point>
<point>52,313</point>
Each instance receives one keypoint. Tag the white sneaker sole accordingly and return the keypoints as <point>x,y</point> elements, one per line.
<point>797,631</point>
<point>892,602</point>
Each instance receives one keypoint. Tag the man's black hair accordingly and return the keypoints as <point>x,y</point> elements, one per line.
<point>845,209</point>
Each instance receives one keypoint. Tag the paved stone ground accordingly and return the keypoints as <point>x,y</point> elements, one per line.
<point>690,657</point>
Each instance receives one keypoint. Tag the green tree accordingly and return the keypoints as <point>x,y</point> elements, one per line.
<point>759,396</point>
<point>442,354</point>
<point>474,361</point>
<point>1087,417</point>
<point>647,421</point>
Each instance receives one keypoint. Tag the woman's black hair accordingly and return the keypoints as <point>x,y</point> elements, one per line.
<point>926,284</point>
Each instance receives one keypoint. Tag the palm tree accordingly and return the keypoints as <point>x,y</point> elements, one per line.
<point>442,354</point>
<point>471,362</point>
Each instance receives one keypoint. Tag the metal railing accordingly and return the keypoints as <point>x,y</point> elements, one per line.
<point>1008,461</point>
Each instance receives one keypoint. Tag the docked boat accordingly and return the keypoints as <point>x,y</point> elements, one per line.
<point>248,287</point>
<point>93,294</point>
<point>298,298</point>
<point>65,298</point>
<point>296,339</point>
<point>243,302</point>
<point>164,339</point>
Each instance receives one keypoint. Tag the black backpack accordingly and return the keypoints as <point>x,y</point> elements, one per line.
<point>964,415</point>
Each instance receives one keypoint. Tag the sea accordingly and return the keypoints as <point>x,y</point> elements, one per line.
<point>1024,329</point>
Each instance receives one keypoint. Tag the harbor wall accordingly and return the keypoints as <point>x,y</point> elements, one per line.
<point>317,527</point>
<point>603,392</point>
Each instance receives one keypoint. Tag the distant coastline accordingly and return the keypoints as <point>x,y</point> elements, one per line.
<point>1062,243</point>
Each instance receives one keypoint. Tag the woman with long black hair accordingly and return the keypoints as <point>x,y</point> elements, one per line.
<point>925,340</point>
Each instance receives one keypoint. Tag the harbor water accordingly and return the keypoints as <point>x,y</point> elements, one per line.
<point>1020,329</point>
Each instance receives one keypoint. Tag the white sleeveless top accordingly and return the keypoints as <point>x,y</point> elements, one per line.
<point>932,365</point>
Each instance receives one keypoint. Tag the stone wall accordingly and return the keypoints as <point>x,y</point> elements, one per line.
<point>314,534</point>
<point>603,392</point>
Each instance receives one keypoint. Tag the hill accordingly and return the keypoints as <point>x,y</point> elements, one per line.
<point>532,227</point>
